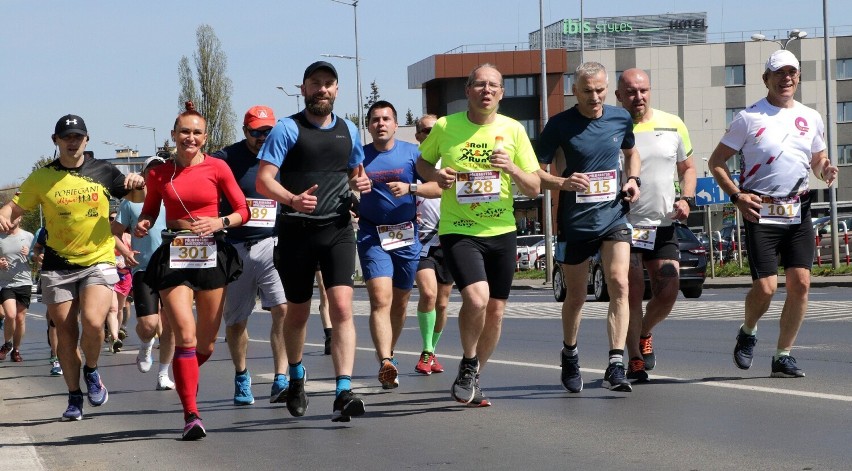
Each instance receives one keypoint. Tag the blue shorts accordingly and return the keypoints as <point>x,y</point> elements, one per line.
<point>400,264</point>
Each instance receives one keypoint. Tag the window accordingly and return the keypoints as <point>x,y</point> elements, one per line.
<point>844,69</point>
<point>734,75</point>
<point>531,125</point>
<point>844,111</point>
<point>844,154</point>
<point>518,86</point>
<point>730,114</point>
<point>568,81</point>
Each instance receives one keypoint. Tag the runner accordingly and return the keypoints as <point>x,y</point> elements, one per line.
<point>16,285</point>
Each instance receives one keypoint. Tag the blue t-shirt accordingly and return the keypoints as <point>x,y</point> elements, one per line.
<point>128,216</point>
<point>589,145</point>
<point>244,164</point>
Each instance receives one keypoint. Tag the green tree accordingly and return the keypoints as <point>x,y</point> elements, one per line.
<point>31,220</point>
<point>209,88</point>
<point>409,118</point>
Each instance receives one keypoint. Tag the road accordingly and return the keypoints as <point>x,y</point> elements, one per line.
<point>699,412</point>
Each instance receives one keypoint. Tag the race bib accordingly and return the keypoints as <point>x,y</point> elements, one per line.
<point>780,210</point>
<point>602,187</point>
<point>192,251</point>
<point>644,237</point>
<point>478,187</point>
<point>396,236</point>
<point>262,212</point>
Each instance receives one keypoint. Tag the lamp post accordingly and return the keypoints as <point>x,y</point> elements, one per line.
<point>149,128</point>
<point>354,5</point>
<point>297,95</point>
<point>358,86</point>
<point>120,147</point>
<point>791,36</point>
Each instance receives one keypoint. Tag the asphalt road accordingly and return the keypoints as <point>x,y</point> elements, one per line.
<point>698,413</point>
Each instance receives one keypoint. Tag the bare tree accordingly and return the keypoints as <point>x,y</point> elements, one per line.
<point>211,93</point>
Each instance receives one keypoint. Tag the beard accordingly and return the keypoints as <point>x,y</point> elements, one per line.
<point>318,108</point>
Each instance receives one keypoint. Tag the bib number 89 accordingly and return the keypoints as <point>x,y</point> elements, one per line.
<point>259,213</point>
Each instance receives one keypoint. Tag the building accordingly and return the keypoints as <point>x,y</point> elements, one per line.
<point>703,79</point>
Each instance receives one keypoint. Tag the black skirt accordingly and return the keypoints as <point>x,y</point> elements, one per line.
<point>161,276</point>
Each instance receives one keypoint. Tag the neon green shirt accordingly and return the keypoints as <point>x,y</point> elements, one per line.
<point>466,148</point>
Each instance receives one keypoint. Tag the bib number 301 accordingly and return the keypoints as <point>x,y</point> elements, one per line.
<point>192,251</point>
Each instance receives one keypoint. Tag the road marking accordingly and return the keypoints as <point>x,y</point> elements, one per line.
<point>17,451</point>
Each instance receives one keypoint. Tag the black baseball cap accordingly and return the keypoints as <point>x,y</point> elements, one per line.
<point>319,65</point>
<point>70,124</point>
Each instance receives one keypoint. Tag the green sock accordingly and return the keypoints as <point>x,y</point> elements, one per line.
<point>748,331</point>
<point>435,337</point>
<point>427,326</point>
<point>781,352</point>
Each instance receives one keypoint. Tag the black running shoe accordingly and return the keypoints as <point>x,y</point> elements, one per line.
<point>463,388</point>
<point>646,346</point>
<point>615,379</point>
<point>297,400</point>
<point>744,351</point>
<point>785,367</point>
<point>571,379</point>
<point>347,405</point>
<point>636,370</point>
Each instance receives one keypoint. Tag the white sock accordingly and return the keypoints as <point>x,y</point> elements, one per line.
<point>164,369</point>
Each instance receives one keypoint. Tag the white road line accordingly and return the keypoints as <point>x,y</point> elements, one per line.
<point>17,451</point>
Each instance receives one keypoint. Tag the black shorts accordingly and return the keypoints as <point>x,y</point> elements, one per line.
<point>21,294</point>
<point>303,246</point>
<point>794,243</point>
<point>473,259</point>
<point>160,275</point>
<point>665,246</point>
<point>435,261</point>
<point>146,296</point>
<point>575,253</point>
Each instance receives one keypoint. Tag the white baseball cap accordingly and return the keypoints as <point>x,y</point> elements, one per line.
<point>781,58</point>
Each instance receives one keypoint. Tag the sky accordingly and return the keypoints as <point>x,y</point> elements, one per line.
<point>116,62</point>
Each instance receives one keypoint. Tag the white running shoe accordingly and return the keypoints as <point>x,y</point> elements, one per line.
<point>164,383</point>
<point>144,360</point>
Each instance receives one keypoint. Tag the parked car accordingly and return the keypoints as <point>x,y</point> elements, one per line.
<point>822,228</point>
<point>525,248</point>
<point>693,267</point>
<point>533,257</point>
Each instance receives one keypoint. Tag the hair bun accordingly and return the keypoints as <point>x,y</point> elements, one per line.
<point>189,106</point>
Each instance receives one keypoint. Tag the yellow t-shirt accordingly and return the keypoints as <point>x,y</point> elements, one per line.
<point>466,147</point>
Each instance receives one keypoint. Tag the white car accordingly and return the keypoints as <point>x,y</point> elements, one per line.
<point>532,257</point>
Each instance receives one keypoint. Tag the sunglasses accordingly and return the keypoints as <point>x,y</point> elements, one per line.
<point>257,133</point>
<point>425,130</point>
<point>112,218</point>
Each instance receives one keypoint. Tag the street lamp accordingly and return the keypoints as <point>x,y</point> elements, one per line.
<point>297,95</point>
<point>149,128</point>
<point>791,36</point>
<point>358,86</point>
<point>354,5</point>
<point>120,147</point>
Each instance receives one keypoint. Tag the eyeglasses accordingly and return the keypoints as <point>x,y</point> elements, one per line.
<point>257,133</point>
<point>481,84</point>
<point>425,131</point>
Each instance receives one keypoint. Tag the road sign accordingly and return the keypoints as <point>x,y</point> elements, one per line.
<point>708,192</point>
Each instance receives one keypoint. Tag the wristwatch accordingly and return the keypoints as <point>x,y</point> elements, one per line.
<point>638,180</point>
<point>690,201</point>
<point>735,197</point>
<point>226,222</point>
<point>412,188</point>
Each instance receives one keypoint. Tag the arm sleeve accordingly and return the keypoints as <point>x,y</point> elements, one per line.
<point>629,140</point>
<point>117,189</point>
<point>153,198</point>
<point>735,136</point>
<point>27,197</point>
<point>524,156</point>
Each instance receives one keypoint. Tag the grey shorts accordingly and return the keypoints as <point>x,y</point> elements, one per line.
<point>259,277</point>
<point>59,286</point>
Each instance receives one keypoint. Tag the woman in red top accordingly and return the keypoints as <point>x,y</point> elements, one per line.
<point>194,262</point>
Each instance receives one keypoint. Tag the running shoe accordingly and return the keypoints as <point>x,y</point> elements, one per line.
<point>4,350</point>
<point>117,344</point>
<point>242,389</point>
<point>164,383</point>
<point>55,367</point>
<point>636,370</point>
<point>479,399</point>
<point>785,367</point>
<point>614,378</point>
<point>646,346</point>
<point>297,400</point>
<point>347,405</point>
<point>122,333</point>
<point>16,355</point>
<point>744,351</point>
<point>144,361</point>
<point>327,349</point>
<point>388,374</point>
<point>424,365</point>
<point>279,389</point>
<point>75,408</point>
<point>463,389</point>
<point>193,429</point>
<point>95,389</point>
<point>571,379</point>
<point>436,367</point>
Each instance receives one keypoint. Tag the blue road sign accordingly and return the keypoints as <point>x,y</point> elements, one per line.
<point>708,192</point>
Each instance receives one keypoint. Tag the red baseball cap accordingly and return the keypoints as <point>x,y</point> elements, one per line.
<point>258,117</point>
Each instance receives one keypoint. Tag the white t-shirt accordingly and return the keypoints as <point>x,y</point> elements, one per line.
<point>430,214</point>
<point>777,146</point>
<point>662,142</point>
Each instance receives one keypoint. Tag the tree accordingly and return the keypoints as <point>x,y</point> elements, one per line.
<point>372,98</point>
<point>409,118</point>
<point>211,93</point>
<point>31,220</point>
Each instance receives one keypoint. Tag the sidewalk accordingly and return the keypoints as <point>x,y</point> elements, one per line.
<point>716,283</point>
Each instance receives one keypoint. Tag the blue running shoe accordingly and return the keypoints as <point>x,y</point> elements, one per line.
<point>785,367</point>
<point>279,389</point>
<point>75,408</point>
<point>242,389</point>
<point>744,351</point>
<point>97,392</point>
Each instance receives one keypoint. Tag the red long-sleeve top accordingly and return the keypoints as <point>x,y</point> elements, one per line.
<point>193,192</point>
